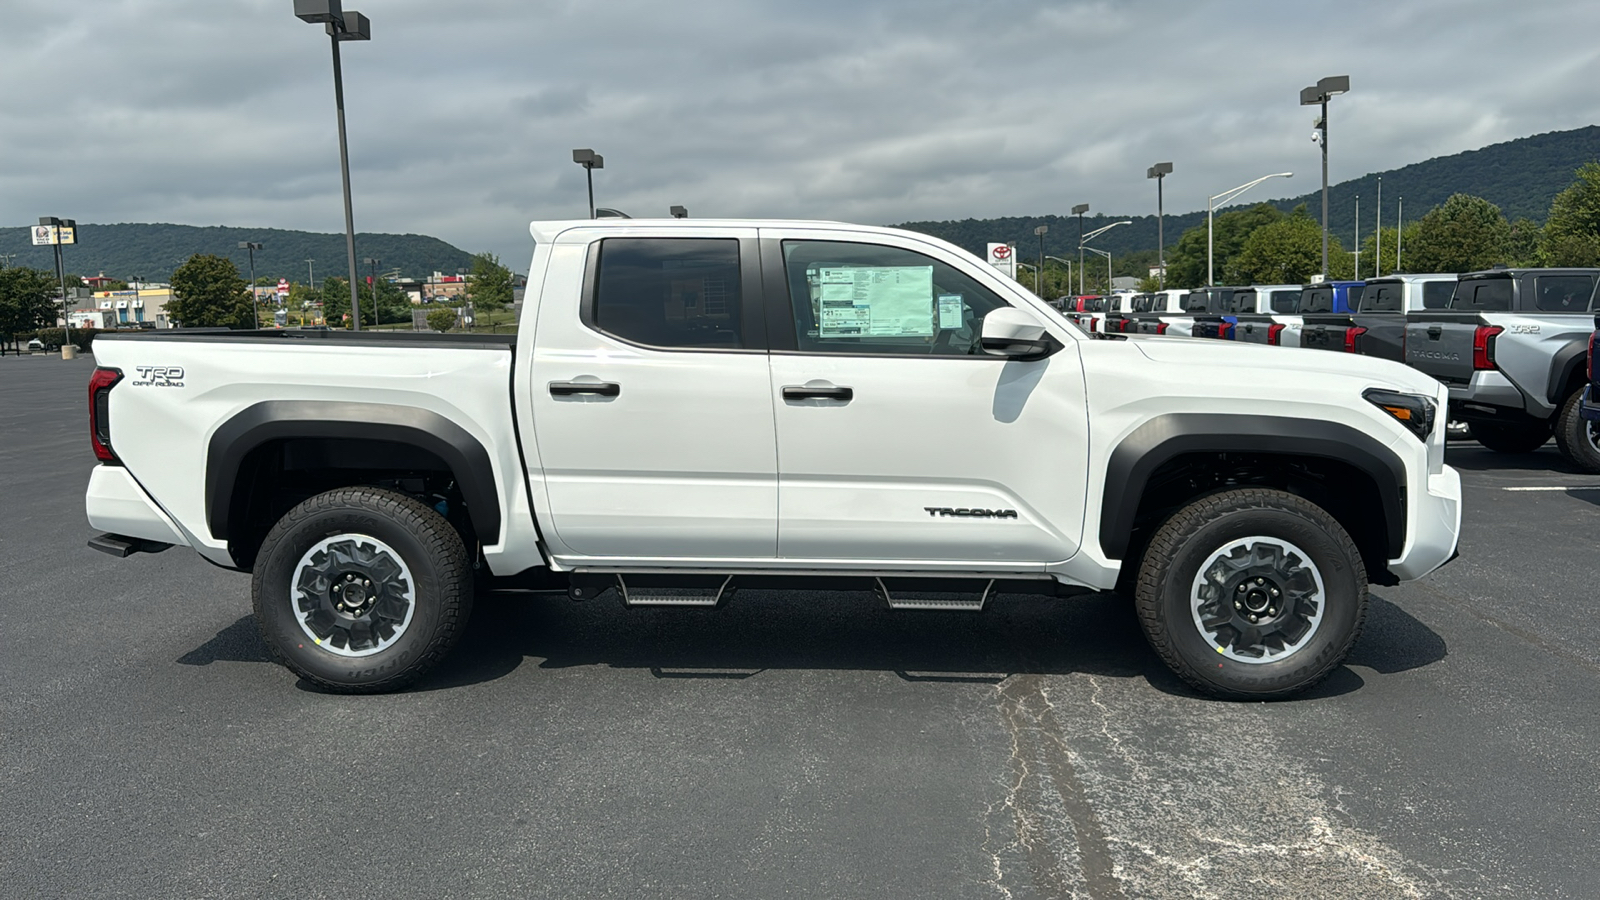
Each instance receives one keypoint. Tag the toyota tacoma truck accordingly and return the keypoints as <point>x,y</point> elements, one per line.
<point>1511,348</point>
<point>1327,315</point>
<point>1276,317</point>
<point>1380,319</point>
<point>692,407</point>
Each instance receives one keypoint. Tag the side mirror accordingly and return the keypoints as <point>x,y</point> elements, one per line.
<point>1016,334</point>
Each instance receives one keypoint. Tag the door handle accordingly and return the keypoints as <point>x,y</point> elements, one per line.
<point>841,394</point>
<point>569,388</point>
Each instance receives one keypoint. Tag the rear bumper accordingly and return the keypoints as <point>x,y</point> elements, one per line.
<point>116,504</point>
<point>1589,406</point>
<point>1435,527</point>
<point>1489,395</point>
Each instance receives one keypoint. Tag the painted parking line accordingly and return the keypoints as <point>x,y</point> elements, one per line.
<point>1557,487</point>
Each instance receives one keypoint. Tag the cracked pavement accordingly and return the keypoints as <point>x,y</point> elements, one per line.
<point>791,744</point>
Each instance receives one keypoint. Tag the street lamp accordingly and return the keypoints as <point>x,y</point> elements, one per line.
<point>1038,271</point>
<point>341,26</point>
<point>255,306</point>
<point>1078,211</point>
<point>1107,255</point>
<point>372,266</point>
<point>1224,197</point>
<point>590,161</point>
<point>311,274</point>
<point>1318,94</point>
<point>58,232</point>
<point>1159,172</point>
<point>1069,268</point>
<point>679,212</point>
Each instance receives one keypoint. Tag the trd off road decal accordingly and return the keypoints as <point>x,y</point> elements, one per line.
<point>158,376</point>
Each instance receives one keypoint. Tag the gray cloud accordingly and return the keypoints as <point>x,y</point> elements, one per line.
<point>462,115</point>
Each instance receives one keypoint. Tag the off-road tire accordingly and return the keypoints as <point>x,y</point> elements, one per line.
<point>1190,537</point>
<point>1520,437</point>
<point>427,546</point>
<point>1573,435</point>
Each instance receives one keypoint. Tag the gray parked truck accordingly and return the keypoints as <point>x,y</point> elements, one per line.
<point>1380,319</point>
<point>1275,318</point>
<point>1511,347</point>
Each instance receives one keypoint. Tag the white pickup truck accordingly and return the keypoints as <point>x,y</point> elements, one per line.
<point>693,406</point>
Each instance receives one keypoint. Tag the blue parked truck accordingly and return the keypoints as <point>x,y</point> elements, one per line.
<point>1328,311</point>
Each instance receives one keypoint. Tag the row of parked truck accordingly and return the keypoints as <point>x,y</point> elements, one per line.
<point>1514,346</point>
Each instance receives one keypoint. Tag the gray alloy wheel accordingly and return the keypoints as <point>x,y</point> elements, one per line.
<point>353,595</point>
<point>1258,599</point>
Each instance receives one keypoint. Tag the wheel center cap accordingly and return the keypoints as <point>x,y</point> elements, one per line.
<point>1257,600</point>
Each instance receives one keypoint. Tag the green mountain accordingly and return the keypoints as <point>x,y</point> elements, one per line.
<point>153,251</point>
<point>1520,176</point>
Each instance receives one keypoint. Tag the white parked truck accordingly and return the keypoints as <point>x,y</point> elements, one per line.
<point>691,406</point>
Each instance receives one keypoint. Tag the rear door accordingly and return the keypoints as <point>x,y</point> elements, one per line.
<point>898,437</point>
<point>652,401</point>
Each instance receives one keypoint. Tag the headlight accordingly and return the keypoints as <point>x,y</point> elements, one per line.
<point>1414,411</point>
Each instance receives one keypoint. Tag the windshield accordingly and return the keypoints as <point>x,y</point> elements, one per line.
<point>1316,300</point>
<point>1492,294</point>
<point>1384,296</point>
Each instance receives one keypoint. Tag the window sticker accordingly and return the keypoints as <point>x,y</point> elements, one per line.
<point>950,318</point>
<point>876,301</point>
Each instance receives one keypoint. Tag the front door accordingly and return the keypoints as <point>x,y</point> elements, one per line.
<point>652,404</point>
<point>898,437</point>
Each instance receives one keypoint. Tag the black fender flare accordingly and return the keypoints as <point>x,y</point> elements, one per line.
<point>1166,437</point>
<point>1562,365</point>
<point>273,420</point>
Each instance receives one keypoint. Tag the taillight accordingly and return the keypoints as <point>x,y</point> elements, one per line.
<point>1275,334</point>
<point>100,385</point>
<point>1161,327</point>
<point>1225,331</point>
<point>1592,339</point>
<point>1350,335</point>
<point>1094,324</point>
<point>1483,346</point>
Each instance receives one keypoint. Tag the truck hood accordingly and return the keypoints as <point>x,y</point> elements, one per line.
<point>1280,361</point>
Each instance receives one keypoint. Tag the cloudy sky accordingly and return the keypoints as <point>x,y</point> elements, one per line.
<point>463,114</point>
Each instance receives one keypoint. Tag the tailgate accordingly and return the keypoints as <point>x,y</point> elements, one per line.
<point>1326,331</point>
<point>1440,344</point>
<point>1253,328</point>
<point>1384,336</point>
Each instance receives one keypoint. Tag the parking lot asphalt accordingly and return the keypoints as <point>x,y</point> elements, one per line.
<point>792,743</point>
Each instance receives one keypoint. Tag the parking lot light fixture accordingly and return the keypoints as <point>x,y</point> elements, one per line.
<point>1224,197</point>
<point>1038,272</point>
<point>1107,255</point>
<point>1318,95</point>
<point>1159,172</point>
<point>679,212</point>
<point>1068,264</point>
<point>341,25</point>
<point>590,161</point>
<point>251,247</point>
<point>1082,247</point>
<point>1078,211</point>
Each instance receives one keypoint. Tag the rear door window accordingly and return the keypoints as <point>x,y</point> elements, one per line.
<point>675,293</point>
<point>1437,294</point>
<point>1483,294</point>
<point>1285,302</point>
<point>1562,293</point>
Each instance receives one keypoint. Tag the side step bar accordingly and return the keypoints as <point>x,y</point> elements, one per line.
<point>642,595</point>
<point>953,602</point>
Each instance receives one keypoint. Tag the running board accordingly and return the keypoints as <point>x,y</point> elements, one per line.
<point>933,600</point>
<point>646,595</point>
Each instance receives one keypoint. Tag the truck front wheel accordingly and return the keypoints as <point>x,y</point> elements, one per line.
<point>361,590</point>
<point>1578,438</point>
<point>1251,593</point>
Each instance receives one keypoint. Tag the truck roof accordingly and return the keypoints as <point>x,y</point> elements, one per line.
<point>548,229</point>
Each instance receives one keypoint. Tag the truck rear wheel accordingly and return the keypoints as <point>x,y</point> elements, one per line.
<point>1578,438</point>
<point>1251,594</point>
<point>1514,437</point>
<point>361,590</point>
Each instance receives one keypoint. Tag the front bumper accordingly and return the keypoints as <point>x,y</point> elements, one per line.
<point>1435,527</point>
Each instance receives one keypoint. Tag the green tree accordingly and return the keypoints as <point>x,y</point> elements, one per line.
<point>1186,262</point>
<point>27,300</point>
<point>208,292</point>
<point>1572,233</point>
<point>1464,234</point>
<point>442,319</point>
<point>1288,251</point>
<point>335,293</point>
<point>1523,247</point>
<point>491,283</point>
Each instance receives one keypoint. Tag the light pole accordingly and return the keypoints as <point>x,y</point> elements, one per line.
<point>1224,197</point>
<point>590,161</point>
<point>1069,268</point>
<point>1159,172</point>
<point>679,212</point>
<point>1377,235</point>
<point>311,274</point>
<point>1399,232</point>
<point>1358,237</point>
<point>372,267</point>
<point>1318,95</point>
<point>1094,234</point>
<point>62,231</point>
<point>255,307</point>
<point>341,26</point>
<point>1078,211</point>
<point>1107,255</point>
<point>1038,271</point>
